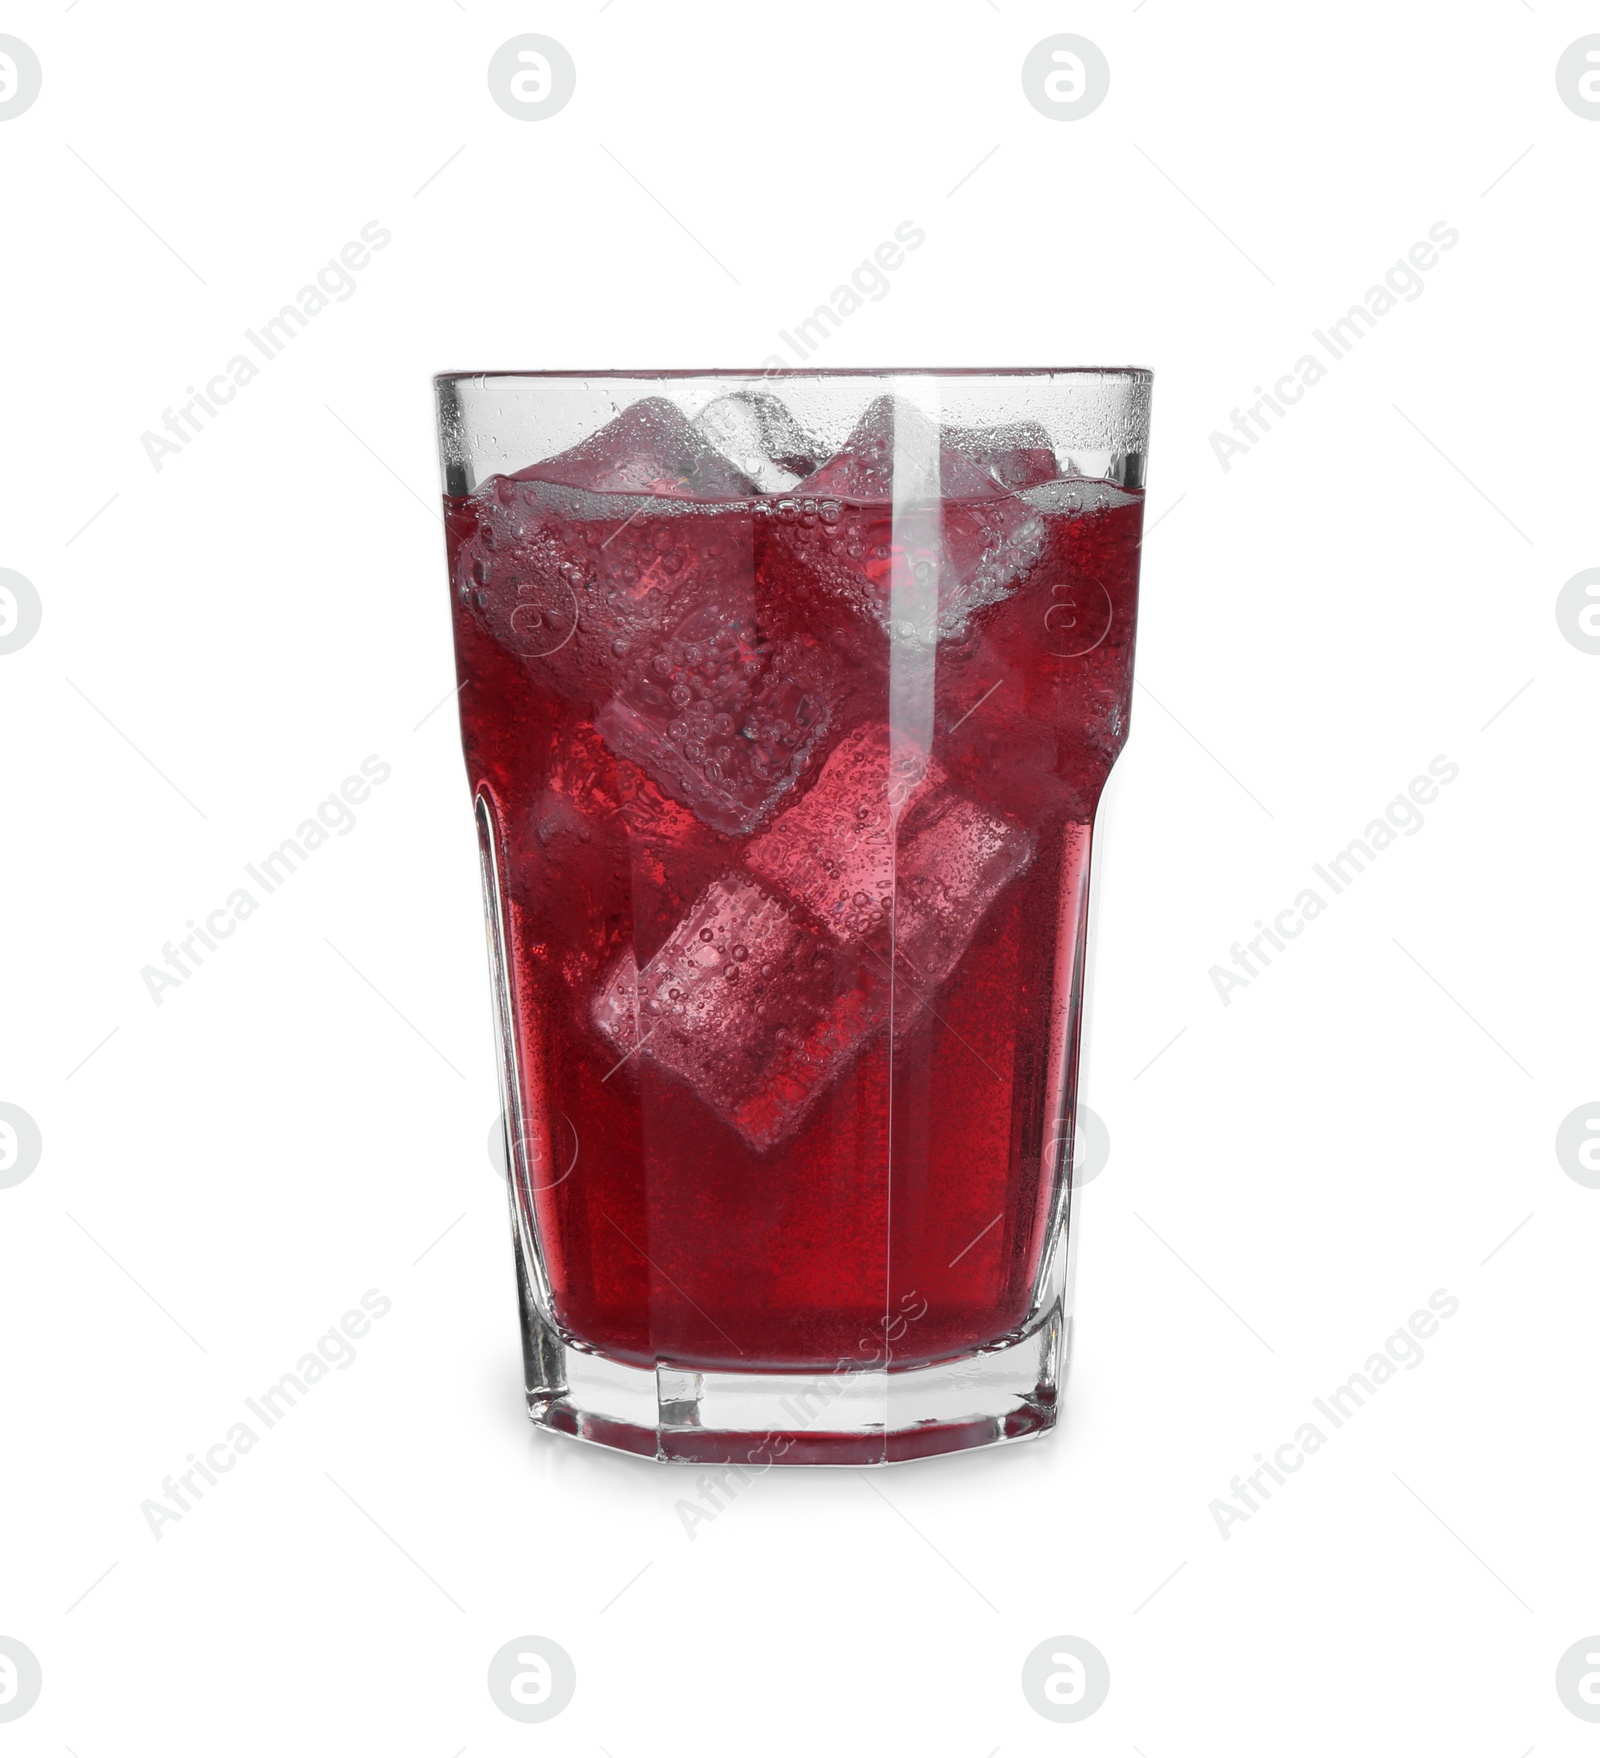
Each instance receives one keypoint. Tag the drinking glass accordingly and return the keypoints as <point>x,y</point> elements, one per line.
<point>787,699</point>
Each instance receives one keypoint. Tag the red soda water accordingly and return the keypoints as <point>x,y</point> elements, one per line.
<point>791,888</point>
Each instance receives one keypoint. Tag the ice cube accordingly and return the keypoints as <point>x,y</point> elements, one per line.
<point>1020,454</point>
<point>954,865</point>
<point>838,527</point>
<point>1076,493</point>
<point>834,850</point>
<point>650,448</point>
<point>569,579</point>
<point>863,469</point>
<point>775,980</point>
<point>689,990</point>
<point>615,1008</point>
<point>723,720</point>
<point>755,431</point>
<point>923,873</point>
<point>749,1005</point>
<point>858,902</point>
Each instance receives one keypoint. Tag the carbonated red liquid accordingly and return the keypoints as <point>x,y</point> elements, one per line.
<point>789,882</point>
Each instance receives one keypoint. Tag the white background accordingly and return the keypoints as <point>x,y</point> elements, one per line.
<point>1291,1177</point>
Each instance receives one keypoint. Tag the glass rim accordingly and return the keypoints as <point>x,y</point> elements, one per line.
<point>1141,374</point>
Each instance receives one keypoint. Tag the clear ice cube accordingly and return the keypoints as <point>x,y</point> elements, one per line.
<point>569,579</point>
<point>1020,454</point>
<point>834,849</point>
<point>884,854</point>
<point>958,860</point>
<point>756,432</point>
<point>777,978</point>
<point>650,448</point>
<point>863,469</point>
<point>971,543</point>
<point>724,721</point>
<point>748,1004</point>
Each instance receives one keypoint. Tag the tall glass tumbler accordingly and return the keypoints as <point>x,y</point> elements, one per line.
<point>787,699</point>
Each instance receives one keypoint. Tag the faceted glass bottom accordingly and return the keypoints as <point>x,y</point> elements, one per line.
<point>861,1416</point>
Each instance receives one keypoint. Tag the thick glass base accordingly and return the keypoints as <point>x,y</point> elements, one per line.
<point>852,1416</point>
